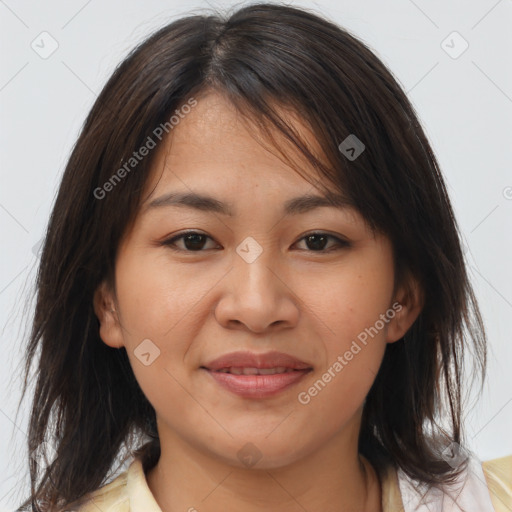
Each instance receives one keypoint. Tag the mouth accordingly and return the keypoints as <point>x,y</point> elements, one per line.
<point>251,375</point>
<point>257,385</point>
<point>255,371</point>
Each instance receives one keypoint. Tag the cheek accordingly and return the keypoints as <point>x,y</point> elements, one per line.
<point>353,313</point>
<point>156,309</point>
<point>350,300</point>
<point>353,358</point>
<point>154,297</point>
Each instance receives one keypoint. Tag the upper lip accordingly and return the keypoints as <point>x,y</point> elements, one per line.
<point>254,360</point>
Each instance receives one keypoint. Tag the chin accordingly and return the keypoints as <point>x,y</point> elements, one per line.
<point>260,453</point>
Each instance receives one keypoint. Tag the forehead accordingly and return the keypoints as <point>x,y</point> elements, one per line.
<point>217,115</point>
<point>214,141</point>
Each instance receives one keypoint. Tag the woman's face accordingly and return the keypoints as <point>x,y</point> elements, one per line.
<point>251,281</point>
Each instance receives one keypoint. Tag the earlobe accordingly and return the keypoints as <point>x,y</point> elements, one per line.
<point>408,303</point>
<point>105,310</point>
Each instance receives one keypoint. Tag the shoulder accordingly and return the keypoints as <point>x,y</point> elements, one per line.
<point>112,497</point>
<point>481,486</point>
<point>498,474</point>
<point>127,492</point>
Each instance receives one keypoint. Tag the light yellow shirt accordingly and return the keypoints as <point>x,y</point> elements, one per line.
<point>129,492</point>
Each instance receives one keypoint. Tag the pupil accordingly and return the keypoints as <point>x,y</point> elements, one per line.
<point>195,239</point>
<point>316,246</point>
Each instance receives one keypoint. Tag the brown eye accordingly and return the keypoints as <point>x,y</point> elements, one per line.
<point>193,241</point>
<point>317,242</point>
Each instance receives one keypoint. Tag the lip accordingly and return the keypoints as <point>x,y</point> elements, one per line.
<point>257,386</point>
<point>254,360</point>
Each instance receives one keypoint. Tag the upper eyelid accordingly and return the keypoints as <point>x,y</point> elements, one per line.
<point>339,238</point>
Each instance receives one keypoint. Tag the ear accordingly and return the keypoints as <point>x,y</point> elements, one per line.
<point>105,310</point>
<point>407,304</point>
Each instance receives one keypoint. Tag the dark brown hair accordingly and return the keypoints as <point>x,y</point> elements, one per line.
<point>87,402</point>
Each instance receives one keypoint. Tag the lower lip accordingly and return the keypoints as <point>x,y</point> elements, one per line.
<point>257,386</point>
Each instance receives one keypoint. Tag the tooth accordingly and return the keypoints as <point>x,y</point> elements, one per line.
<point>267,371</point>
<point>250,371</point>
<point>255,371</point>
<point>272,371</point>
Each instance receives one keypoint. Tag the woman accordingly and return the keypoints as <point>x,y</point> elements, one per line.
<point>253,266</point>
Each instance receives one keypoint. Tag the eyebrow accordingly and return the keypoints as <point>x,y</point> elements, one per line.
<point>204,202</point>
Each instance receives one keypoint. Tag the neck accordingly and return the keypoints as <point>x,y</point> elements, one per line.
<point>330,479</point>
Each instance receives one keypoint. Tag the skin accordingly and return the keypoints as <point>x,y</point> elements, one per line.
<point>197,305</point>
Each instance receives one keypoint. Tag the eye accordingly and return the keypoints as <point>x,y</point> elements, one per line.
<point>317,241</point>
<point>195,241</point>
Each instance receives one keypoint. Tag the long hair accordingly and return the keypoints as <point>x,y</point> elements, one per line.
<point>87,403</point>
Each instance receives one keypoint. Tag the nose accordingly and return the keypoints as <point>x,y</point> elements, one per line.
<point>257,296</point>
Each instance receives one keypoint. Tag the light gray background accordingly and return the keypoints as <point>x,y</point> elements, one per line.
<point>464,103</point>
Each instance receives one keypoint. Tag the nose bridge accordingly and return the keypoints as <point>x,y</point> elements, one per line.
<point>253,265</point>
<point>255,295</point>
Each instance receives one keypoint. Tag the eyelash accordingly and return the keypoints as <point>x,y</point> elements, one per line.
<point>170,243</point>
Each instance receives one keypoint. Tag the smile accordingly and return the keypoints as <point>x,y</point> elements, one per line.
<point>256,371</point>
<point>257,382</point>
